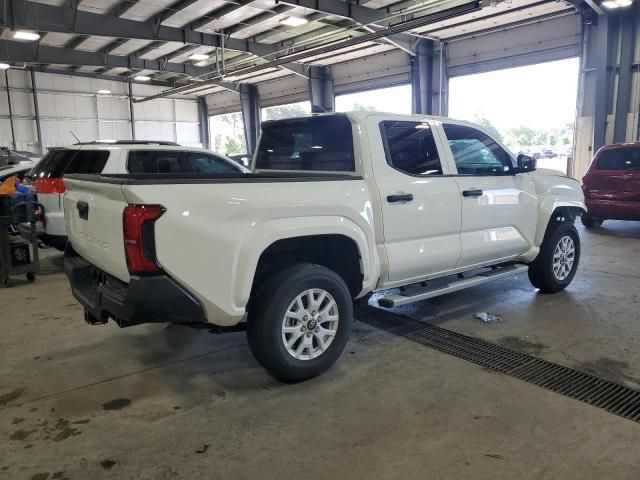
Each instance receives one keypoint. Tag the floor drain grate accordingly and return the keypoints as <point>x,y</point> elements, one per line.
<point>610,396</point>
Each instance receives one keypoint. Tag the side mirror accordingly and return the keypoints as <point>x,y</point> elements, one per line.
<point>526,163</point>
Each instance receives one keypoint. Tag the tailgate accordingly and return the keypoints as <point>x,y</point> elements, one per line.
<point>93,215</point>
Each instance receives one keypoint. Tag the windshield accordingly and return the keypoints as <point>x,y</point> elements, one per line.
<point>323,143</point>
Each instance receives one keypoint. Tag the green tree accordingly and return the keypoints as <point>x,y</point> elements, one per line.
<point>284,111</point>
<point>361,107</point>
<point>488,126</point>
<point>232,146</point>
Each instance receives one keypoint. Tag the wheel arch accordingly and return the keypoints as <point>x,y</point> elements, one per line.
<point>336,243</point>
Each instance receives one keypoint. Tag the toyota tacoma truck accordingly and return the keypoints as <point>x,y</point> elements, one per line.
<point>337,206</point>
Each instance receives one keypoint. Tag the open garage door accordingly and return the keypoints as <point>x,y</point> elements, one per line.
<point>531,109</point>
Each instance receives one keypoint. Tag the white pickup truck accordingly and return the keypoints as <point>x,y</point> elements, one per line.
<point>337,206</point>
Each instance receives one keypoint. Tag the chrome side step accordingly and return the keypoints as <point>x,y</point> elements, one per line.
<point>423,293</point>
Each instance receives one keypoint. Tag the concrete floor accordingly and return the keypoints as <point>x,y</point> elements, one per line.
<point>166,402</point>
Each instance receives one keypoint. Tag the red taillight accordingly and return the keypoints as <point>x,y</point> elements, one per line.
<point>139,241</point>
<point>50,185</point>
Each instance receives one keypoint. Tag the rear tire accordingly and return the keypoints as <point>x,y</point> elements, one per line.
<point>556,264</point>
<point>291,319</point>
<point>591,222</point>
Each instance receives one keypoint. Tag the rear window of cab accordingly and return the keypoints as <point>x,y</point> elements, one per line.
<point>318,144</point>
<point>622,158</point>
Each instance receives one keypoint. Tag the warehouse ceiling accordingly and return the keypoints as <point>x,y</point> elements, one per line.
<point>248,41</point>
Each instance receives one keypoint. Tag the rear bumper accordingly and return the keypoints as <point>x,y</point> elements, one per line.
<point>608,209</point>
<point>153,299</point>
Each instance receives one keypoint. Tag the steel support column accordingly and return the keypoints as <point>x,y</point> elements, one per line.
<point>250,105</point>
<point>623,100</point>
<point>13,132</point>
<point>203,114</point>
<point>132,117</point>
<point>422,78</point>
<point>36,110</point>
<point>602,84</point>
<point>321,92</point>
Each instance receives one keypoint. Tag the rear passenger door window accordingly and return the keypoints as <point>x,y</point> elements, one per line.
<point>204,163</point>
<point>475,153</point>
<point>411,148</point>
<point>155,161</point>
<point>87,161</point>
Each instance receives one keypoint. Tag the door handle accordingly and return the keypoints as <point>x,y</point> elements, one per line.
<point>404,197</point>
<point>472,193</point>
<point>83,210</point>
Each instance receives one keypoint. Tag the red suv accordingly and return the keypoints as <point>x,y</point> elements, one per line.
<point>612,185</point>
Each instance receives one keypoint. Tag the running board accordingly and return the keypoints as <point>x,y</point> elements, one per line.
<point>435,291</point>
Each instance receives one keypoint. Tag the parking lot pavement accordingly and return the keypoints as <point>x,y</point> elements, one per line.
<point>166,402</point>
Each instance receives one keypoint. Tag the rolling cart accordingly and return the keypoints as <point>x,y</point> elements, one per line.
<point>18,256</point>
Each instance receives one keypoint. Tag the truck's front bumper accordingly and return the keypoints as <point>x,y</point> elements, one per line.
<point>151,299</point>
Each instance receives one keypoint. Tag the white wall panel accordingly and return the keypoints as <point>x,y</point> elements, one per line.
<point>119,130</point>
<point>186,111</point>
<point>156,110</point>
<point>113,108</point>
<point>155,131</point>
<point>188,134</point>
<point>56,133</point>
<point>69,103</point>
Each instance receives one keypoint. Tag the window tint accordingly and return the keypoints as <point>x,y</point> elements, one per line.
<point>313,143</point>
<point>87,161</point>
<point>619,159</point>
<point>476,153</point>
<point>155,161</point>
<point>203,163</point>
<point>410,148</point>
<point>53,164</point>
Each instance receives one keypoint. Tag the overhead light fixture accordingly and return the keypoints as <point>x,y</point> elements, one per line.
<point>142,78</point>
<point>198,56</point>
<point>423,126</point>
<point>104,92</point>
<point>4,66</point>
<point>612,4</point>
<point>203,63</point>
<point>294,21</point>
<point>24,35</point>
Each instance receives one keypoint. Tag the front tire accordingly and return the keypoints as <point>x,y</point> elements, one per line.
<point>591,222</point>
<point>556,264</point>
<point>300,322</point>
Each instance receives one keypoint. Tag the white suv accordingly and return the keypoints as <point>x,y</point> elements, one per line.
<point>137,157</point>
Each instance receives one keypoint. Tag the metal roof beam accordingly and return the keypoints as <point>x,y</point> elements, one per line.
<point>122,7</point>
<point>27,53</point>
<point>219,13</point>
<point>49,18</point>
<point>366,16</point>
<point>260,17</point>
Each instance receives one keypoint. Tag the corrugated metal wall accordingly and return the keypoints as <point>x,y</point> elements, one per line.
<point>71,104</point>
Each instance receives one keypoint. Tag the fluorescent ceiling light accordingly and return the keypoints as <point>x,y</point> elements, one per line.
<point>294,21</point>
<point>203,63</point>
<point>4,66</point>
<point>106,141</point>
<point>198,56</point>
<point>104,92</point>
<point>611,4</point>
<point>24,35</point>
<point>422,126</point>
<point>142,78</point>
